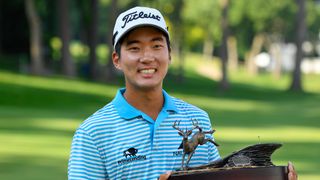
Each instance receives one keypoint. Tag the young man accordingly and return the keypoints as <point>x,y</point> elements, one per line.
<point>133,137</point>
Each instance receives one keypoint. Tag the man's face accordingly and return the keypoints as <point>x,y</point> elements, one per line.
<point>144,58</point>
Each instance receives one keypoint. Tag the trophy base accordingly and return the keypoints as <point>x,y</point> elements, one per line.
<point>244,173</point>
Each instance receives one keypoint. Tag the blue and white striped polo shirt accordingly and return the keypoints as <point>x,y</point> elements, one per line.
<point>121,142</point>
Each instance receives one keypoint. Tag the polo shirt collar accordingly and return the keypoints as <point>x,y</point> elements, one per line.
<point>128,112</point>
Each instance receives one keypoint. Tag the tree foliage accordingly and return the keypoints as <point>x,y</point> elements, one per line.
<point>194,26</point>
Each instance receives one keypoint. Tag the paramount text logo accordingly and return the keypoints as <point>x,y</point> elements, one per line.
<point>131,159</point>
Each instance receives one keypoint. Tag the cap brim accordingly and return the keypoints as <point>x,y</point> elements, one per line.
<point>138,26</point>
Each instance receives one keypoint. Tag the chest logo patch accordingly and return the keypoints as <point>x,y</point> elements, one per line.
<point>130,152</point>
<point>130,155</point>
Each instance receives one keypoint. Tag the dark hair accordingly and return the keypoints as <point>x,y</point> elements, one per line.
<point>118,45</point>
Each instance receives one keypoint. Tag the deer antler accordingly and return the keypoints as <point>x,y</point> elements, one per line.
<point>195,124</point>
<point>176,127</point>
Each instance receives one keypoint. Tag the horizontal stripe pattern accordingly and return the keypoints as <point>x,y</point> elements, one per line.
<point>107,146</point>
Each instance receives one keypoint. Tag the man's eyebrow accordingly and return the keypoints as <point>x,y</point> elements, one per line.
<point>157,39</point>
<point>129,42</point>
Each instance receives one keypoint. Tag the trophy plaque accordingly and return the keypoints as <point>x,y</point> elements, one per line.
<point>250,163</point>
<point>254,173</point>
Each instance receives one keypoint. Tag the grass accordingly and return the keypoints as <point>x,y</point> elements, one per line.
<point>38,116</point>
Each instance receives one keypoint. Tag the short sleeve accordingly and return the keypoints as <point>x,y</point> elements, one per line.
<point>85,160</point>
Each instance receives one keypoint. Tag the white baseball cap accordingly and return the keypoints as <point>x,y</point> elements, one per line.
<point>136,17</point>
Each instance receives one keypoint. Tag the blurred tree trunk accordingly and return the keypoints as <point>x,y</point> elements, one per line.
<point>110,70</point>
<point>224,83</point>
<point>232,53</point>
<point>275,52</point>
<point>35,38</point>
<point>256,47</point>
<point>68,66</point>
<point>208,46</point>
<point>1,16</point>
<point>300,37</point>
<point>178,41</point>
<point>93,39</point>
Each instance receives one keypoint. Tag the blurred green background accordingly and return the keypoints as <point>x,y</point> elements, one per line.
<point>254,66</point>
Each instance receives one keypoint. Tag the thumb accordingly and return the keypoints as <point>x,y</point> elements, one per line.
<point>292,175</point>
<point>165,176</point>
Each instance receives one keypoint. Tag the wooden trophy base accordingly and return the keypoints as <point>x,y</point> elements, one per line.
<point>244,173</point>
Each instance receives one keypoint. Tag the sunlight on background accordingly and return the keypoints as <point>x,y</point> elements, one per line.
<point>58,84</point>
<point>275,134</point>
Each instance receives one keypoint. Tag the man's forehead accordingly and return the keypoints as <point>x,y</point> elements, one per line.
<point>146,33</point>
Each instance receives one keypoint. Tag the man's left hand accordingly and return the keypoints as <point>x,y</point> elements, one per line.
<point>292,175</point>
<point>165,176</point>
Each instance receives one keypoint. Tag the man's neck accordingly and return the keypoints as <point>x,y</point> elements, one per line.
<point>149,102</point>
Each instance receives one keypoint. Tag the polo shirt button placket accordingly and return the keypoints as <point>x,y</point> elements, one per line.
<point>155,148</point>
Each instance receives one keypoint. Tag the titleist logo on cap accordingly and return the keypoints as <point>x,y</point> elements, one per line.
<point>135,15</point>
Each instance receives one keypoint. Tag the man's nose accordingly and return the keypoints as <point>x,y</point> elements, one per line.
<point>147,55</point>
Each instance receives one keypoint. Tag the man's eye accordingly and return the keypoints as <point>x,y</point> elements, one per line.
<point>157,46</point>
<point>133,48</point>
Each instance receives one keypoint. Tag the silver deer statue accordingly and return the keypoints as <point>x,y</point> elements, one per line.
<point>189,145</point>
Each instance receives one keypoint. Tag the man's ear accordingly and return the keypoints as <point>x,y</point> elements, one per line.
<point>115,60</point>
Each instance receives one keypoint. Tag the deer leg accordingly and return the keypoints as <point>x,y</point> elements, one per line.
<point>208,132</point>
<point>189,158</point>
<point>182,163</point>
<point>210,140</point>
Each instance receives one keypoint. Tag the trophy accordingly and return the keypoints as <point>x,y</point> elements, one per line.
<point>250,163</point>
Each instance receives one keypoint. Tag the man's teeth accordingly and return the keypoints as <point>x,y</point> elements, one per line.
<point>148,71</point>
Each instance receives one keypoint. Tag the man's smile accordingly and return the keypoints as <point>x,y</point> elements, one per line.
<point>147,71</point>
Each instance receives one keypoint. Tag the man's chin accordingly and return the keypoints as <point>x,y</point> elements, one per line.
<point>150,87</point>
